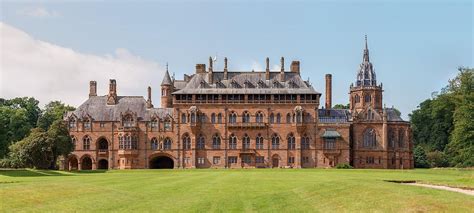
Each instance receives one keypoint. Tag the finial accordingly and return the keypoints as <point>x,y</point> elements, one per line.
<point>225,63</point>
<point>166,66</point>
<point>366,42</point>
<point>282,61</point>
<point>267,62</point>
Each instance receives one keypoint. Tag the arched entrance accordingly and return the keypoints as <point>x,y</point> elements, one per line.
<point>86,163</point>
<point>73,163</point>
<point>275,161</point>
<point>103,164</point>
<point>161,162</point>
<point>103,144</point>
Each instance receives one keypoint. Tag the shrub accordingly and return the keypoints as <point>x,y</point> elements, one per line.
<point>344,166</point>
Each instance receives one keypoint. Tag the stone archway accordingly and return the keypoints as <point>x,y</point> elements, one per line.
<point>161,162</point>
<point>86,163</point>
<point>73,163</point>
<point>103,144</point>
<point>103,164</point>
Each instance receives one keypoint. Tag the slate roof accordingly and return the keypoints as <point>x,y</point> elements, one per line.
<point>166,79</point>
<point>246,83</point>
<point>331,134</point>
<point>97,108</point>
<point>392,115</point>
<point>334,115</point>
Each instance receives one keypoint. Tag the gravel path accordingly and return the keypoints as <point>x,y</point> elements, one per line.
<point>464,191</point>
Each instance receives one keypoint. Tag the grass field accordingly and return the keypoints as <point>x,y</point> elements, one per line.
<point>262,190</point>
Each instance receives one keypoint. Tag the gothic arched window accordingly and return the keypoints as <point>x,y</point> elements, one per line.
<point>233,118</point>
<point>87,123</point>
<point>219,118</point>
<point>259,141</point>
<point>367,98</point>
<point>216,142</point>
<point>291,141</point>
<point>271,118</point>
<point>259,117</point>
<point>72,123</point>
<point>201,143</point>
<point>401,138</point>
<point>288,118</point>
<point>357,98</point>
<point>278,118</point>
<point>232,142</point>
<point>167,144</point>
<point>213,118</point>
<point>246,117</point>
<point>73,141</point>
<point>305,142</point>
<point>370,138</point>
<point>86,143</point>
<point>183,118</point>
<point>275,141</point>
<point>246,142</point>
<point>154,144</point>
<point>186,142</point>
<point>128,121</point>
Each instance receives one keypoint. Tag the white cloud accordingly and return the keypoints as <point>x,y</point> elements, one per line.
<point>38,12</point>
<point>46,71</point>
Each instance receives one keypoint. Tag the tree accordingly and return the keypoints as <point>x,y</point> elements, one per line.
<point>30,104</point>
<point>341,106</point>
<point>53,111</point>
<point>33,151</point>
<point>14,126</point>
<point>420,157</point>
<point>61,143</point>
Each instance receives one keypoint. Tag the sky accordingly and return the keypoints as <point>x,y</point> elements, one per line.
<point>52,49</point>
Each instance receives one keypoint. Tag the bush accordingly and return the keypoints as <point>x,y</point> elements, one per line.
<point>437,159</point>
<point>344,166</point>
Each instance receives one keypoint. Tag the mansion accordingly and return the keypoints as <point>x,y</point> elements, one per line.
<point>234,119</point>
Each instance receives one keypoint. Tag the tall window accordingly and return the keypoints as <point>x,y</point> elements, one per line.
<point>219,118</point>
<point>291,141</point>
<point>370,138</point>
<point>213,118</point>
<point>246,142</point>
<point>154,123</point>
<point>86,143</point>
<point>154,144</point>
<point>128,121</point>
<point>128,141</point>
<point>259,117</point>
<point>186,142</point>
<point>275,141</point>
<point>357,98</point>
<point>233,118</point>
<point>391,138</point>
<point>272,118</point>
<point>288,118</point>
<point>216,142</point>
<point>329,143</point>
<point>367,98</point>
<point>167,144</point>
<point>201,143</point>
<point>183,118</point>
<point>87,124</point>
<point>259,141</point>
<point>167,125</point>
<point>193,117</point>
<point>232,142</point>
<point>370,115</point>
<point>305,142</point>
<point>74,141</point>
<point>401,137</point>
<point>72,123</point>
<point>246,117</point>
<point>203,118</point>
<point>278,119</point>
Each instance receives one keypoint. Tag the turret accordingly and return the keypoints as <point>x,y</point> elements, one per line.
<point>166,90</point>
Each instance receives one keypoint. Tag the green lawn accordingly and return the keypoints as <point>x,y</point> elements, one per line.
<point>266,190</point>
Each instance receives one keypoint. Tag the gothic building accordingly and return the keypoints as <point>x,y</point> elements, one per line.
<point>234,119</point>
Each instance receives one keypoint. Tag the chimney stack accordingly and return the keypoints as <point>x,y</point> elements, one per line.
<point>225,68</point>
<point>295,67</point>
<point>200,68</point>
<point>282,70</point>
<point>92,88</point>
<point>148,101</point>
<point>112,97</point>
<point>267,69</point>
<point>328,91</point>
<point>211,69</point>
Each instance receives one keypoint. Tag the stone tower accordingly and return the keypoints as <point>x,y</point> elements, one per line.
<point>166,90</point>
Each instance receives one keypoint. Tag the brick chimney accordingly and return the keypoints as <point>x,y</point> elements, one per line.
<point>267,69</point>
<point>149,104</point>
<point>112,96</point>
<point>328,91</point>
<point>295,67</point>
<point>92,88</point>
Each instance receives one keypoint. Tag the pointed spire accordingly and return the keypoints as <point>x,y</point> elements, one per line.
<point>166,79</point>
<point>366,51</point>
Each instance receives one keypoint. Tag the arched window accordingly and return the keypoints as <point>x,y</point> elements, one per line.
<point>167,125</point>
<point>246,142</point>
<point>213,118</point>
<point>370,138</point>
<point>259,117</point>
<point>186,142</point>
<point>73,141</point>
<point>86,143</point>
<point>291,141</point>
<point>391,138</point>
<point>370,115</point>
<point>154,144</point>
<point>288,118</point>
<point>259,141</point>
<point>193,117</point>
<point>233,118</point>
<point>357,98</point>
<point>183,118</point>
<point>401,138</point>
<point>305,142</point>
<point>275,141</point>
<point>128,142</point>
<point>72,123</point>
<point>87,124</point>
<point>271,118</point>
<point>307,118</point>
<point>201,142</point>
<point>219,118</point>
<point>154,123</point>
<point>232,142</point>
<point>367,98</point>
<point>167,144</point>
<point>216,142</point>
<point>203,118</point>
<point>278,119</point>
<point>128,121</point>
<point>246,117</point>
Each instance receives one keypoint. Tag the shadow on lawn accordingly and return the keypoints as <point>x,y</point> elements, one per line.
<point>32,173</point>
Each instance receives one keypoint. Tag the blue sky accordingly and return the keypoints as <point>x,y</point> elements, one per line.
<point>415,46</point>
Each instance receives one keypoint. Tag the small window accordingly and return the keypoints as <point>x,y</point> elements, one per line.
<point>216,142</point>
<point>72,123</point>
<point>305,159</point>
<point>259,159</point>
<point>213,118</point>
<point>291,159</point>
<point>200,161</point>
<point>278,119</point>
<point>288,118</point>
<point>167,125</point>
<point>246,159</point>
<point>272,118</point>
<point>329,143</point>
<point>232,159</point>
<point>154,124</point>
<point>102,124</point>
<point>216,160</point>
<point>183,118</point>
<point>154,144</point>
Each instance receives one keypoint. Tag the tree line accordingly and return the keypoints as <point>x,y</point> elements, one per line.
<point>30,136</point>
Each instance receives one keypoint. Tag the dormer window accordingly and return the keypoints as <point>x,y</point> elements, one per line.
<point>128,121</point>
<point>154,123</point>
<point>292,84</point>
<point>87,124</point>
<point>276,84</point>
<point>248,84</point>
<point>261,84</point>
<point>167,125</point>
<point>72,123</point>
<point>202,84</point>
<point>234,84</point>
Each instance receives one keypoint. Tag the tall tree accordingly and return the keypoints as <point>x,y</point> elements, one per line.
<point>33,151</point>
<point>53,111</point>
<point>61,143</point>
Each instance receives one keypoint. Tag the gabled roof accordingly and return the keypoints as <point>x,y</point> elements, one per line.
<point>166,79</point>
